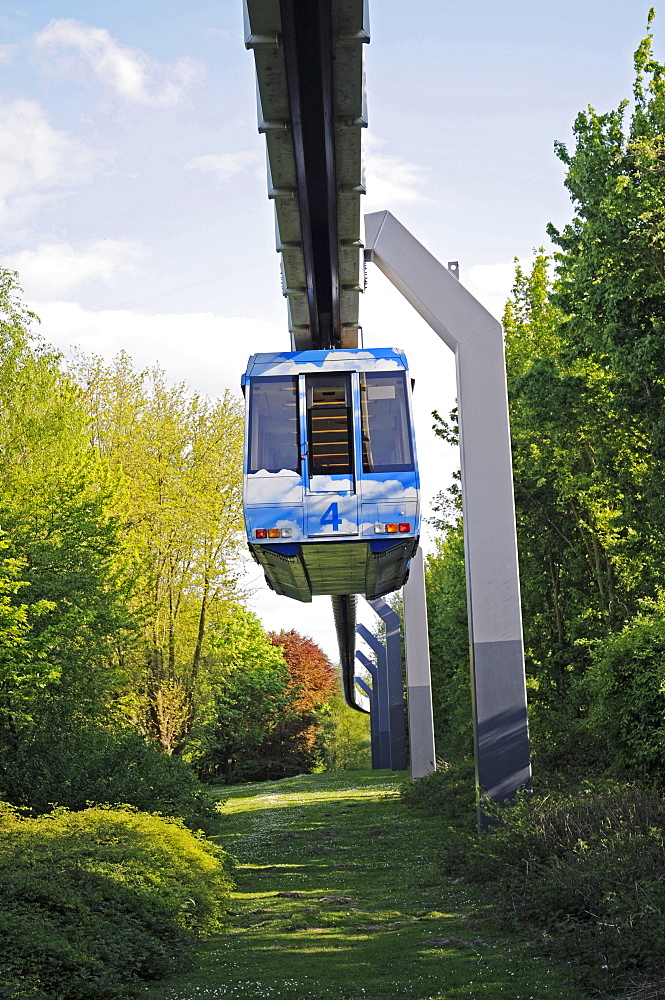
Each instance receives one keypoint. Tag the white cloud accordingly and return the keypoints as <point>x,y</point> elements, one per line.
<point>224,165</point>
<point>207,351</point>
<point>53,269</point>
<point>129,71</point>
<point>390,179</point>
<point>35,159</point>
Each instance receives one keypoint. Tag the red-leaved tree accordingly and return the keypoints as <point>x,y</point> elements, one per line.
<point>313,679</point>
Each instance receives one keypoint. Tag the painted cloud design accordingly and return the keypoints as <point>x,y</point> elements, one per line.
<point>273,488</point>
<point>302,361</point>
<point>388,489</point>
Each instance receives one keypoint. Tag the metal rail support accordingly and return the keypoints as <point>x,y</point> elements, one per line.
<point>380,703</point>
<point>492,578</point>
<point>373,718</point>
<point>393,736</point>
<point>418,677</point>
<point>395,682</point>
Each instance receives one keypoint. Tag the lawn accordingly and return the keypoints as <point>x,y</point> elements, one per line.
<point>340,896</point>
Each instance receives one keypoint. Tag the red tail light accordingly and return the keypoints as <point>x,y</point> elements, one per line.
<point>404,526</point>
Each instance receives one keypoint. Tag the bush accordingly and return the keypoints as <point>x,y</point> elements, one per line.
<point>80,765</point>
<point>450,792</point>
<point>97,901</point>
<point>627,684</point>
<point>587,869</point>
<point>288,750</point>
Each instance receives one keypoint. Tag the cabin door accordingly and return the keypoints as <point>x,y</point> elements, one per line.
<point>330,482</point>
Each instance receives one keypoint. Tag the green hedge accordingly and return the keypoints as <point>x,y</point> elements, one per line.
<point>94,902</point>
<point>76,765</point>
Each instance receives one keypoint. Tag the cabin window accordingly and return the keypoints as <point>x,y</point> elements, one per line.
<point>385,422</point>
<point>273,425</point>
<point>329,424</point>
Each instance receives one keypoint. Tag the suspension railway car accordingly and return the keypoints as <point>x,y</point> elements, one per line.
<point>331,481</point>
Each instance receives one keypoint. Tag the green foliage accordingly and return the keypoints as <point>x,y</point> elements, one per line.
<point>573,469</point>
<point>448,792</point>
<point>583,870</point>
<point>78,763</point>
<point>585,352</point>
<point>63,590</point>
<point>98,901</point>
<point>449,644</point>
<point>588,870</point>
<point>626,685</point>
<point>179,457</point>
<point>258,731</point>
<point>344,741</point>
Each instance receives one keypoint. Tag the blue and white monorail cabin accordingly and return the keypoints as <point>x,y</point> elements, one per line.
<point>331,479</point>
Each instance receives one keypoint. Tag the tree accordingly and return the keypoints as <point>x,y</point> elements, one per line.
<point>64,587</point>
<point>313,679</point>
<point>180,458</point>
<point>255,704</point>
<point>584,352</point>
<point>611,280</point>
<point>312,682</point>
<point>344,736</point>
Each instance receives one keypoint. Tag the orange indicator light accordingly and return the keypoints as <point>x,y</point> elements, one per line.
<point>273,532</point>
<point>392,528</point>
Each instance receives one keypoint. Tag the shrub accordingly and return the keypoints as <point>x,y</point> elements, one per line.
<point>627,684</point>
<point>587,869</point>
<point>450,792</point>
<point>288,750</point>
<point>94,902</point>
<point>78,765</point>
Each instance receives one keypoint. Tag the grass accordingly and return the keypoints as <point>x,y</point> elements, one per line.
<point>340,896</point>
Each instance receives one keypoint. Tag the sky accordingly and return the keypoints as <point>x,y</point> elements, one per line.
<point>133,196</point>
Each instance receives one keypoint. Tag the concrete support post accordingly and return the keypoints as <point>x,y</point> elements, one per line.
<point>418,677</point>
<point>395,682</point>
<point>495,621</point>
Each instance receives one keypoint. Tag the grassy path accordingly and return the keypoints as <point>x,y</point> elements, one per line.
<point>340,897</point>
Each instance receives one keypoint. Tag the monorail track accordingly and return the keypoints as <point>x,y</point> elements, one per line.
<point>311,108</point>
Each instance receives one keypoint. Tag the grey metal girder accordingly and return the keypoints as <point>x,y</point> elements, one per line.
<point>344,613</point>
<point>380,730</point>
<point>311,108</point>
<point>391,695</point>
<point>393,647</point>
<point>492,575</point>
<point>373,716</point>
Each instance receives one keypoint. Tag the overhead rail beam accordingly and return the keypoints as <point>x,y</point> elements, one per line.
<point>344,613</point>
<point>311,108</point>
